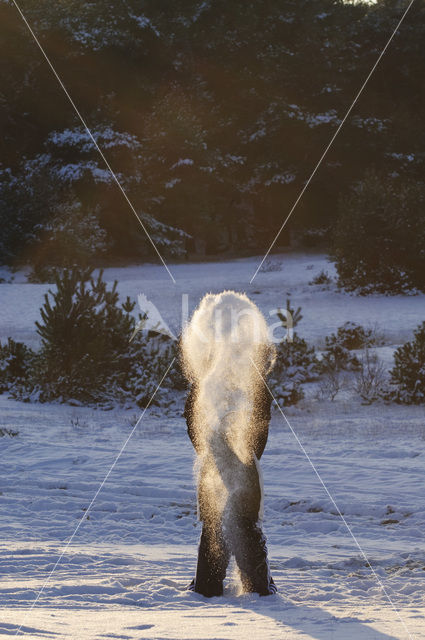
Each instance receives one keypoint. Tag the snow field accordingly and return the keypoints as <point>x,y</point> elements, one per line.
<point>137,549</point>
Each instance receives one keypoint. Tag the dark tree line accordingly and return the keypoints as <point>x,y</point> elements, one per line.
<point>211,113</point>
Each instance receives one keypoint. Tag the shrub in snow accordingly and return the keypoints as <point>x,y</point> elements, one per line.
<point>408,373</point>
<point>322,278</point>
<point>295,363</point>
<point>8,432</point>
<point>338,346</point>
<point>84,334</point>
<point>86,355</point>
<point>286,391</point>
<point>370,379</point>
<point>351,336</point>
<point>296,360</point>
<point>152,356</point>
<point>379,237</point>
<point>337,357</point>
<point>331,382</point>
<point>269,266</point>
<point>16,361</point>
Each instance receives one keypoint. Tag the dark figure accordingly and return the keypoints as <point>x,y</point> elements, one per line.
<point>241,533</point>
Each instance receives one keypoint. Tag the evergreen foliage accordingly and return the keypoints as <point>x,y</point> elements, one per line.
<point>290,318</point>
<point>379,238</point>
<point>72,237</point>
<point>16,362</point>
<point>408,373</point>
<point>351,336</point>
<point>211,114</point>
<point>322,278</point>
<point>295,361</point>
<point>286,391</point>
<point>84,337</point>
<point>336,355</point>
<point>85,355</point>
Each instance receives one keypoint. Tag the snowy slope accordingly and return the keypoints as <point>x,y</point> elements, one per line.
<point>125,572</point>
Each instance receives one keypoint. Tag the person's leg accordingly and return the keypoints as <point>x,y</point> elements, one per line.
<point>246,538</point>
<point>250,549</point>
<point>213,558</point>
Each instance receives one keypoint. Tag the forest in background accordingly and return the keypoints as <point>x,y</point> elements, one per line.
<point>212,114</point>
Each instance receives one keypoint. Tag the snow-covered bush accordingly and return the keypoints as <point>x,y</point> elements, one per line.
<point>351,336</point>
<point>370,379</point>
<point>338,347</point>
<point>332,380</point>
<point>321,278</point>
<point>295,360</point>
<point>295,363</point>
<point>16,361</point>
<point>338,357</point>
<point>408,373</point>
<point>286,391</point>
<point>369,372</point>
<point>152,355</point>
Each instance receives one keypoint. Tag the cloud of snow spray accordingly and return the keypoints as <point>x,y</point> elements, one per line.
<point>226,335</point>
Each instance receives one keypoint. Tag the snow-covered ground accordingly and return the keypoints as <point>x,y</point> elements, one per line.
<point>324,309</point>
<point>125,572</point>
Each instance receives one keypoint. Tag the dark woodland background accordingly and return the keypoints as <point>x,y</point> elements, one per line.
<point>213,115</point>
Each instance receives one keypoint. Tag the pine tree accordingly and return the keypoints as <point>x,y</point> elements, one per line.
<point>408,373</point>
<point>85,335</point>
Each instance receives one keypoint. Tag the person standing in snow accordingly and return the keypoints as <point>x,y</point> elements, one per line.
<point>227,412</point>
